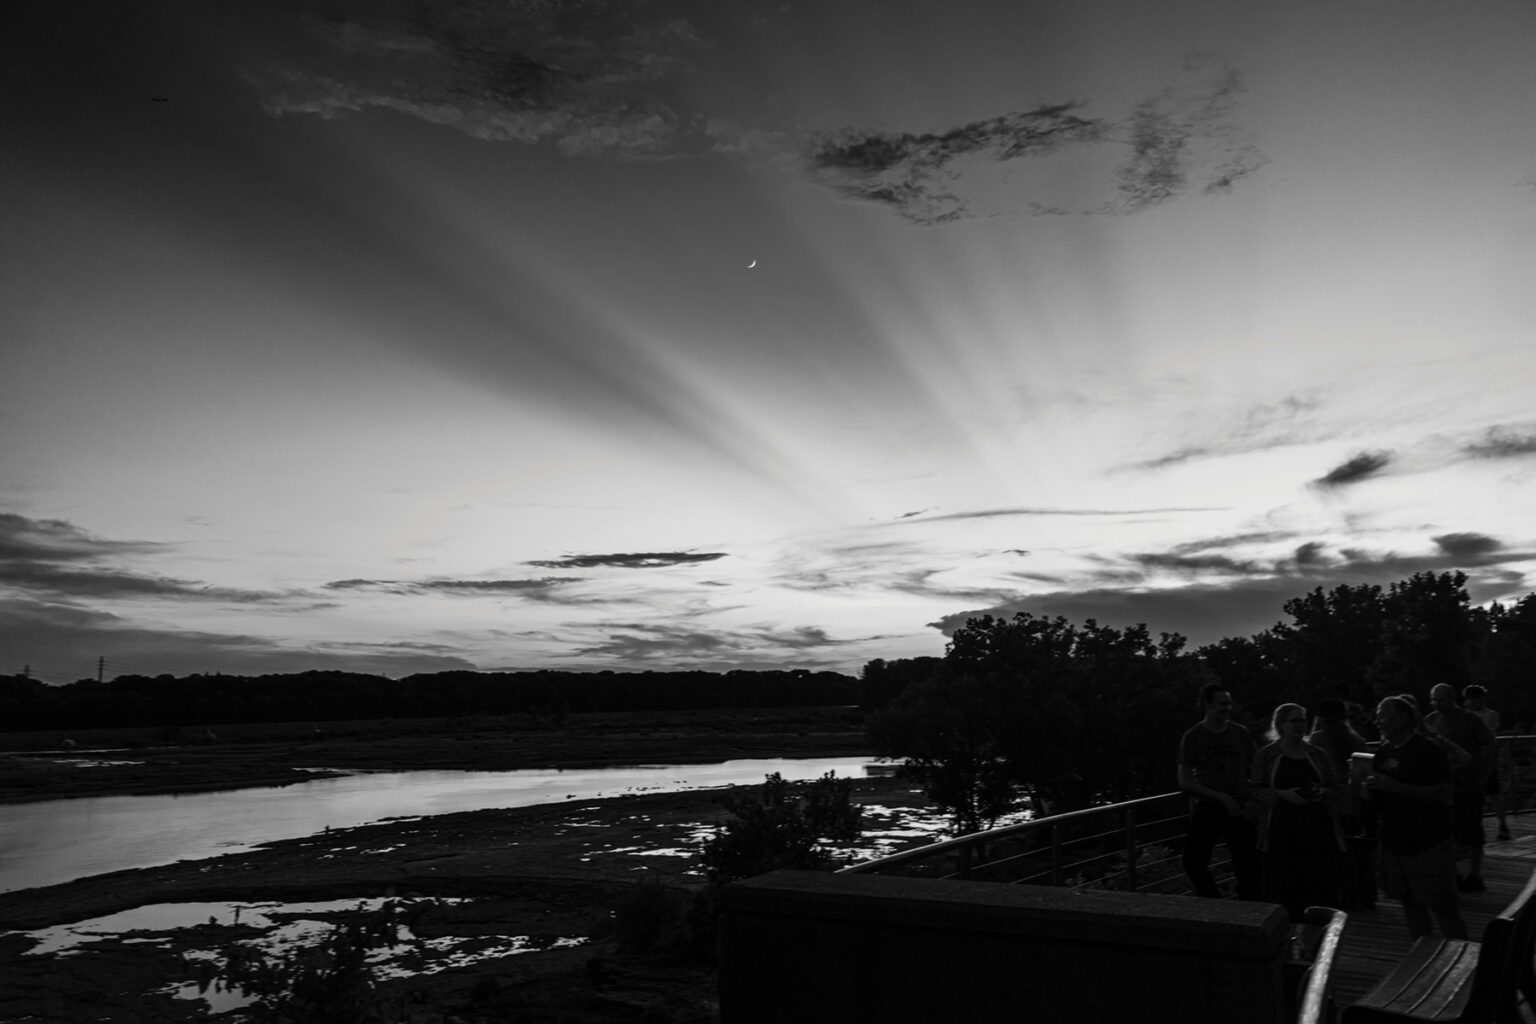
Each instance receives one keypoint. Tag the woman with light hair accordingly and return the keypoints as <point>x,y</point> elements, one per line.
<point>1300,840</point>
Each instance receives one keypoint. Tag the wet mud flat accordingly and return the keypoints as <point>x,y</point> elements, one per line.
<point>544,879</point>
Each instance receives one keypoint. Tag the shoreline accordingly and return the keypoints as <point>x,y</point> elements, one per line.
<point>549,871</point>
<point>546,872</point>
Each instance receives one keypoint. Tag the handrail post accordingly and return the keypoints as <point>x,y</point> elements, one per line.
<point>1056,853</point>
<point>1130,848</point>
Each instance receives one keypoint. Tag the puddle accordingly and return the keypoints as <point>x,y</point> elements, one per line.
<point>281,926</point>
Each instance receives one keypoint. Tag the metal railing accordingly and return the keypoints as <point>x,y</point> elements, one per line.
<point>1134,846</point>
<point>1517,773</point>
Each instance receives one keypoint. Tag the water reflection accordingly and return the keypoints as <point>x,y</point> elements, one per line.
<point>59,840</point>
<point>279,928</point>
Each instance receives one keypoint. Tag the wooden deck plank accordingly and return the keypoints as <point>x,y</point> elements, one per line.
<point>1375,940</point>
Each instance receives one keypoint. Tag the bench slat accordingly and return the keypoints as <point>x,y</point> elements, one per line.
<point>1453,980</point>
<point>1433,982</point>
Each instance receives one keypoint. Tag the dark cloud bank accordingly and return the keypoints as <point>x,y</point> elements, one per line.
<point>1226,596</point>
<point>50,568</point>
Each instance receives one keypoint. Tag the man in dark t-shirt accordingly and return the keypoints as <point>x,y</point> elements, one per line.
<point>1411,787</point>
<point>1215,757</point>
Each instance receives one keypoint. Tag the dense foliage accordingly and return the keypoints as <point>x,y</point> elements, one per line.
<point>1067,715</point>
<point>198,700</point>
<point>782,824</point>
<point>1360,643</point>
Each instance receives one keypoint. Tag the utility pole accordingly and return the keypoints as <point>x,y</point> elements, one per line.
<point>101,667</point>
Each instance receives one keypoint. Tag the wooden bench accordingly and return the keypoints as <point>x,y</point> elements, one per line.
<point>1313,1003</point>
<point>1458,981</point>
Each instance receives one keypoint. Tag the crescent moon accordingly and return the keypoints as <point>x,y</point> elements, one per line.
<point>752,264</point>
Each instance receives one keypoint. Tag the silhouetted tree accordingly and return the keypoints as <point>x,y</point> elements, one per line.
<point>883,681</point>
<point>1331,644</point>
<point>1067,715</point>
<point>1428,636</point>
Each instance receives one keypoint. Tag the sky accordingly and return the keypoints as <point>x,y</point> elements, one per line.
<point>410,336</point>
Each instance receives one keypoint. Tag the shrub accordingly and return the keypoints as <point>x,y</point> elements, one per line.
<point>782,825</point>
<point>327,982</point>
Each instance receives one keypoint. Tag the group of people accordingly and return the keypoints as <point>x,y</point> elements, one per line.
<point>1287,811</point>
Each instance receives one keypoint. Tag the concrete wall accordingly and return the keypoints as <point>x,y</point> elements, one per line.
<point>810,946</point>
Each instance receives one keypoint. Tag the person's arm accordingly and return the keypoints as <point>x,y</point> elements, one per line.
<point>1190,783</point>
<point>1261,780</point>
<point>1430,793</point>
<point>1432,772</point>
<point>1334,782</point>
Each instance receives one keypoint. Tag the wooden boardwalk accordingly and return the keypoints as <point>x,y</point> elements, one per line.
<point>1375,940</point>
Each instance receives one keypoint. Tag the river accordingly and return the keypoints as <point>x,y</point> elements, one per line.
<point>59,840</point>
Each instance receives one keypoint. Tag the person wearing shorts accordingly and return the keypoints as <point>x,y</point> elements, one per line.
<point>1410,784</point>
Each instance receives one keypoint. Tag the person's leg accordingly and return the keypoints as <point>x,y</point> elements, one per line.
<point>1468,811</point>
<point>1431,880</point>
<point>1451,924</point>
<point>1417,916</point>
<point>1493,794</point>
<point>1199,843</point>
<point>1243,848</point>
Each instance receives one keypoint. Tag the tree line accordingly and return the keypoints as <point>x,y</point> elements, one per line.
<point>202,699</point>
<point>1067,715</point>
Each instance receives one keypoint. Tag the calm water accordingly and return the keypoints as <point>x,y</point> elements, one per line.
<point>58,840</point>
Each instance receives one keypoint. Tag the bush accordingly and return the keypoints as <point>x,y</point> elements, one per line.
<point>327,982</point>
<point>782,825</point>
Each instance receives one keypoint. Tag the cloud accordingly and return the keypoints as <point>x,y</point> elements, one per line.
<point>1208,612</point>
<point>1310,553</point>
<point>52,556</point>
<point>1221,595</point>
<point>1355,469</point>
<point>1186,138</point>
<point>112,583</point>
<point>1254,427</point>
<point>55,540</point>
<point>1203,613</point>
<point>636,560</point>
<point>1197,563</point>
<point>62,641</point>
<point>1462,545</point>
<point>917,175</point>
<point>1181,140</point>
<point>595,79</point>
<point>996,513</point>
<point>1503,442</point>
<point>630,82</point>
<point>491,587</point>
<point>692,646</point>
